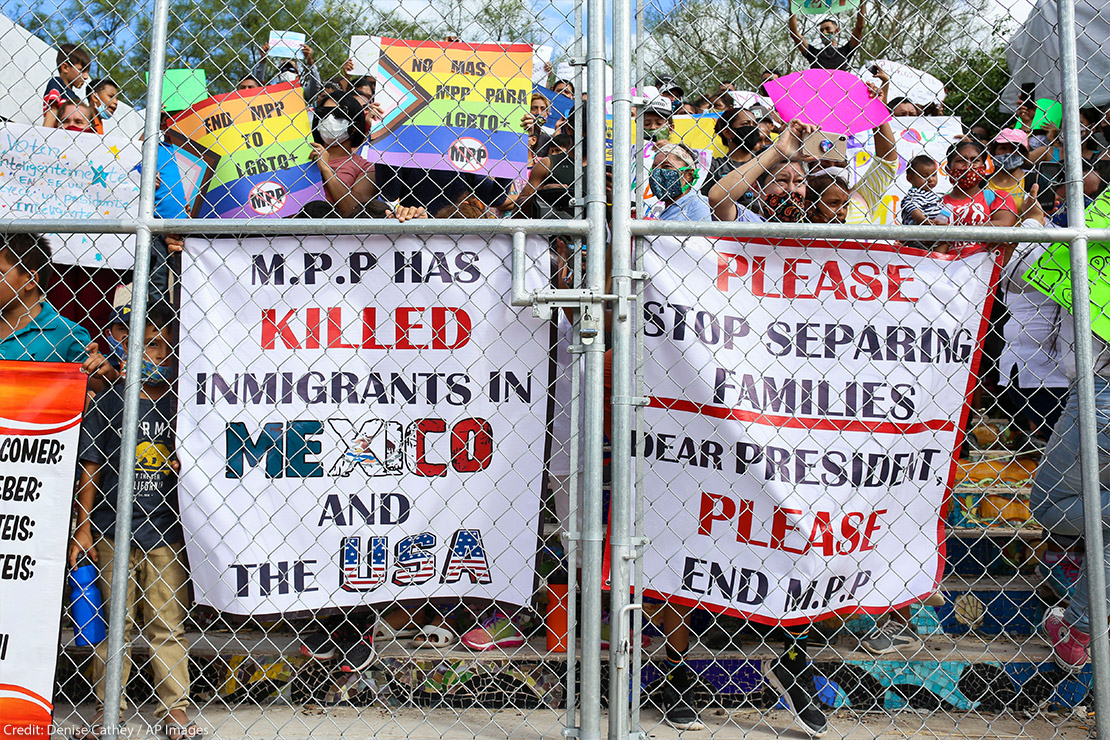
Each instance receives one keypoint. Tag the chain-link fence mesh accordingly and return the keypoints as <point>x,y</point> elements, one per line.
<point>507,369</point>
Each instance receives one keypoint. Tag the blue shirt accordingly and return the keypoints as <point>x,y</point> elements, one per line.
<point>48,338</point>
<point>690,207</point>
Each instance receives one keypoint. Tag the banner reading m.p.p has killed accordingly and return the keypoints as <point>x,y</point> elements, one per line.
<point>806,404</point>
<point>361,420</point>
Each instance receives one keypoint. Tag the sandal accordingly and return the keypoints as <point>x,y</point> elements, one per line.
<point>177,731</point>
<point>383,632</point>
<point>434,636</point>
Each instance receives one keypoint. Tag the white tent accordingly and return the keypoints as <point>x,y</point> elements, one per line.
<point>1033,54</point>
<point>26,64</point>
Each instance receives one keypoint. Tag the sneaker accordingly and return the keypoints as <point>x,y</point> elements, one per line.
<point>319,645</point>
<point>1069,645</point>
<point>891,637</point>
<point>496,632</point>
<point>675,692</point>
<point>795,684</point>
<point>358,655</point>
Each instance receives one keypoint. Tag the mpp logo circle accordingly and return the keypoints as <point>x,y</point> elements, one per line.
<point>268,197</point>
<point>467,154</point>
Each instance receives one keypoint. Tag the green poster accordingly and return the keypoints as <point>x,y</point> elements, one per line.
<point>822,7</point>
<point>1051,274</point>
<point>181,88</point>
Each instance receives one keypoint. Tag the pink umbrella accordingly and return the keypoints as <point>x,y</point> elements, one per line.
<point>833,101</point>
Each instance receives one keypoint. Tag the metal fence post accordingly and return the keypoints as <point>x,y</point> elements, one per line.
<point>620,505</point>
<point>1084,366</point>
<point>121,571</point>
<point>593,338</point>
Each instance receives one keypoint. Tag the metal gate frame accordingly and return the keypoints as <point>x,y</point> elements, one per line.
<point>627,536</point>
<point>591,300</point>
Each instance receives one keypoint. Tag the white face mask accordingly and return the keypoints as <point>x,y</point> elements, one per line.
<point>289,76</point>
<point>333,130</point>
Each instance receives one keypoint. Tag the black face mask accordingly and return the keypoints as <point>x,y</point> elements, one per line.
<point>747,138</point>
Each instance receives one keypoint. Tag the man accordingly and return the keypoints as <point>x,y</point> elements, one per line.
<point>829,56</point>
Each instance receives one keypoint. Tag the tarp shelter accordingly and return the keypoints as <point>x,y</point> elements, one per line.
<point>26,64</point>
<point>1033,54</point>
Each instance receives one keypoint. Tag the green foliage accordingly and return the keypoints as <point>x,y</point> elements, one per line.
<point>974,85</point>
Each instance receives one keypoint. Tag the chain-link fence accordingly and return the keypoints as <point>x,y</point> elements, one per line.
<point>485,369</point>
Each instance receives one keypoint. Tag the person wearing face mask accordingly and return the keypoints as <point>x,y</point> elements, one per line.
<point>1010,152</point>
<point>673,173</point>
<point>742,137</point>
<point>75,117</point>
<point>307,76</point>
<point>829,55</point>
<point>658,125</point>
<point>338,131</point>
<point>971,203</point>
<point>69,86</point>
<point>104,100</point>
<point>771,187</point>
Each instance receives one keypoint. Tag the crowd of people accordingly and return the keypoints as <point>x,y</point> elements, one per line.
<point>1011,177</point>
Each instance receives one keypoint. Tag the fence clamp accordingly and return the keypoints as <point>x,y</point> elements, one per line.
<point>570,732</point>
<point>631,401</point>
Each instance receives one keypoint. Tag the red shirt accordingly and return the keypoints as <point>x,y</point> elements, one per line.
<point>977,211</point>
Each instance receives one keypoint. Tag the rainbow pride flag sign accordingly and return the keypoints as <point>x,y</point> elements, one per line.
<point>451,106</point>
<point>262,139</point>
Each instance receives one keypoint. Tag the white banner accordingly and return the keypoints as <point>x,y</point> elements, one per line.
<point>40,423</point>
<point>360,421</point>
<point>53,174</point>
<point>806,405</point>
<point>930,135</point>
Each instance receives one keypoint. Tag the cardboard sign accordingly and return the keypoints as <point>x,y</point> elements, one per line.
<point>181,88</point>
<point>286,45</point>
<point>261,136</point>
<point>822,7</point>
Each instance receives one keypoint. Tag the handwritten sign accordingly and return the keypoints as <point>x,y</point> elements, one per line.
<point>822,7</point>
<point>51,174</point>
<point>1051,274</point>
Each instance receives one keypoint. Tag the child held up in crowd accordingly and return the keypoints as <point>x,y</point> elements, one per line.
<point>69,86</point>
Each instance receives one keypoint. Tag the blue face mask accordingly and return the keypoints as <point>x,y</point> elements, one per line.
<point>157,374</point>
<point>668,185</point>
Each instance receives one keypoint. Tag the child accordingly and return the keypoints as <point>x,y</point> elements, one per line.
<point>922,205</point>
<point>157,558</point>
<point>70,84</point>
<point>104,100</point>
<point>30,328</point>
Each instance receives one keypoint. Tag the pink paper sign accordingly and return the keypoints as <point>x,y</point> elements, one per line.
<point>832,100</point>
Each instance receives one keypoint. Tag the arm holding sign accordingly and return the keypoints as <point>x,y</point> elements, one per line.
<point>727,192</point>
<point>797,37</point>
<point>857,31</point>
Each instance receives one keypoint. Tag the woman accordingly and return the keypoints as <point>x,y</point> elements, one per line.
<point>971,203</point>
<point>740,132</point>
<point>339,130</point>
<point>1009,151</point>
<point>771,187</point>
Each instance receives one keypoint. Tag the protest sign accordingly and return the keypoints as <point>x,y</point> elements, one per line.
<point>380,401</point>
<point>54,174</point>
<point>451,106</point>
<point>261,136</point>
<point>181,88</point>
<point>286,45</point>
<point>930,135</point>
<point>40,415</point>
<point>806,402</point>
<point>1051,274</point>
<point>822,7</point>
<point>541,57</point>
<point>560,104</point>
<point>919,87</point>
<point>832,100</point>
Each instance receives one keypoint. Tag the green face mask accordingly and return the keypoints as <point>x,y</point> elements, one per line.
<point>657,134</point>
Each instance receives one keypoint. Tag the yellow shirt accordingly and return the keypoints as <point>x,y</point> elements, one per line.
<point>870,190</point>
